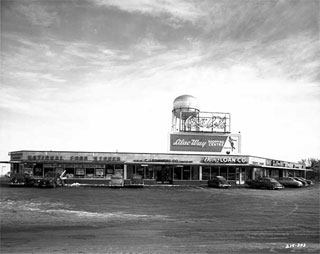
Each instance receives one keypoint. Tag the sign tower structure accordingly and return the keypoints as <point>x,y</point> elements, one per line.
<point>193,130</point>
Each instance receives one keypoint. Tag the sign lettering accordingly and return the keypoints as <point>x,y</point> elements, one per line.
<point>240,160</point>
<point>202,143</point>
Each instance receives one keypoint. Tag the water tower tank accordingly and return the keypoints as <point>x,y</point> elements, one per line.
<point>185,106</point>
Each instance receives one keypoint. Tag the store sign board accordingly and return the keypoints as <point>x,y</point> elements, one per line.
<point>164,160</point>
<point>204,143</point>
<point>16,156</point>
<point>257,161</point>
<point>58,157</point>
<point>225,159</point>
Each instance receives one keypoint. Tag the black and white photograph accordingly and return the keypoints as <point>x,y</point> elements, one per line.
<point>159,127</point>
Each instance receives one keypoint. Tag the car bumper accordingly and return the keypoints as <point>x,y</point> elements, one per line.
<point>45,185</point>
<point>17,184</point>
<point>278,187</point>
<point>116,185</point>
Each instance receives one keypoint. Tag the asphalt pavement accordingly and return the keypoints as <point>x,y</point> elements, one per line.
<point>159,219</point>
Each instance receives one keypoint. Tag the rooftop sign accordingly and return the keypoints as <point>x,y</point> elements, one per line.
<point>205,143</point>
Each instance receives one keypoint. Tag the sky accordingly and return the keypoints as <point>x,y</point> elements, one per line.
<point>102,75</point>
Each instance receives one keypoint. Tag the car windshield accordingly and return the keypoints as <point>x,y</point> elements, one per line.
<point>20,175</point>
<point>116,177</point>
<point>51,175</point>
<point>269,180</point>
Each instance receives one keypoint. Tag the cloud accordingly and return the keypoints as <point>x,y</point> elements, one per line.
<point>178,10</point>
<point>35,76</point>
<point>38,13</point>
<point>149,45</point>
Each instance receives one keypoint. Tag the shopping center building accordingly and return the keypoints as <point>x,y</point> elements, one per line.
<point>200,146</point>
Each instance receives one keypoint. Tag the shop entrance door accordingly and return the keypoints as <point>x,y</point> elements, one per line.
<point>242,176</point>
<point>164,174</point>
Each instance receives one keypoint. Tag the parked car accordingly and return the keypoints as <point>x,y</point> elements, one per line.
<point>8,174</point>
<point>265,183</point>
<point>218,182</point>
<point>21,179</point>
<point>50,179</point>
<point>116,181</point>
<point>308,181</point>
<point>136,182</point>
<point>289,182</point>
<point>302,180</point>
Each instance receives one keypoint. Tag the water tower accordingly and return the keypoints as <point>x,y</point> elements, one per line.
<point>185,107</point>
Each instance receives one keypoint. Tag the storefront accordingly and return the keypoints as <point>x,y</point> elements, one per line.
<point>155,168</point>
<point>201,146</point>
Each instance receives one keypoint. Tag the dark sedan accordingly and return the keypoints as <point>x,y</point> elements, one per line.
<point>218,182</point>
<point>265,183</point>
<point>50,180</point>
<point>21,179</point>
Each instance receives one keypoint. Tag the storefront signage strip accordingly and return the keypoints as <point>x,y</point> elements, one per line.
<point>240,160</point>
<point>72,158</point>
<point>163,160</point>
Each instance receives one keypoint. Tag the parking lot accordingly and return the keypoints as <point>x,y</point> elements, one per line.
<point>159,220</point>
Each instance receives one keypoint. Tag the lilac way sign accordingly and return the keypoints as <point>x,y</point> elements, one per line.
<point>197,142</point>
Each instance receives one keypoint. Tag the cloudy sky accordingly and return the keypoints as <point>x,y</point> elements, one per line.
<point>102,75</point>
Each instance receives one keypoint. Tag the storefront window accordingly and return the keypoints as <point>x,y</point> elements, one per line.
<point>130,171</point>
<point>59,170</point>
<point>224,172</point>
<point>140,170</point>
<point>118,169</point>
<point>70,172</point>
<point>215,171</point>
<point>37,171</point>
<point>109,171</point>
<point>79,172</point>
<point>205,173</point>
<point>232,173</point>
<point>48,169</point>
<point>89,172</point>
<point>177,173</point>
<point>291,173</point>
<point>258,172</point>
<point>248,172</point>
<point>99,172</point>
<point>186,173</point>
<point>149,173</point>
<point>275,173</point>
<point>195,172</point>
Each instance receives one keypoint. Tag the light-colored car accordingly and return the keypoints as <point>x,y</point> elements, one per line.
<point>218,182</point>
<point>289,182</point>
<point>116,181</point>
<point>309,182</point>
<point>302,180</point>
<point>136,182</point>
